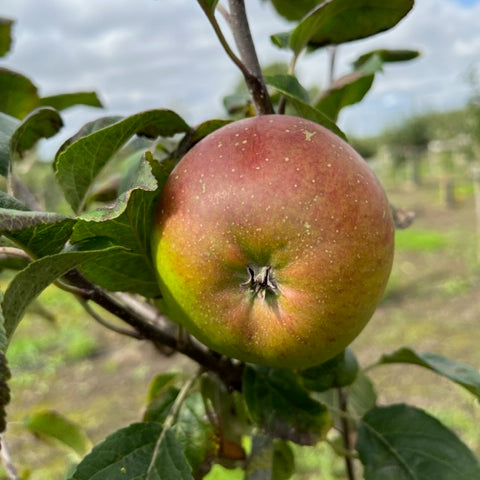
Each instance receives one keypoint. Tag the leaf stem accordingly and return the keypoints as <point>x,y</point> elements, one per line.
<point>170,420</point>
<point>345,425</point>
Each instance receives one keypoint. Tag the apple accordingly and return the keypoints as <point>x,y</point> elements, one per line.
<point>273,241</point>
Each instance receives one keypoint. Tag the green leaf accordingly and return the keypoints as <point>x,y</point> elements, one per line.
<point>196,434</point>
<point>206,128</point>
<point>303,109</point>
<point>464,375</point>
<point>294,10</point>
<point>40,123</point>
<point>127,453</point>
<point>79,163</point>
<point>386,56</point>
<point>288,83</point>
<point>339,371</point>
<point>5,35</point>
<point>142,180</point>
<point>231,418</point>
<point>236,102</point>
<point>282,407</point>
<point>192,428</point>
<point>123,271</point>
<point>283,460</point>
<point>8,125</point>
<point>160,406</point>
<point>347,90</point>
<point>404,443</point>
<point>31,281</point>
<point>159,384</point>
<point>85,130</point>
<point>281,40</point>
<point>338,21</point>
<point>39,233</point>
<point>11,203</point>
<point>361,395</point>
<point>49,424</point>
<point>19,95</point>
<point>4,371</point>
<point>127,223</point>
<point>67,100</point>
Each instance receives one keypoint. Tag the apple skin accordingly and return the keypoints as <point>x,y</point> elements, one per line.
<point>282,194</point>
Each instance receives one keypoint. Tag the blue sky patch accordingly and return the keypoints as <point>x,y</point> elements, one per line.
<point>467,3</point>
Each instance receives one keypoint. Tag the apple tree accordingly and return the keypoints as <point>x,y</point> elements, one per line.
<point>117,247</point>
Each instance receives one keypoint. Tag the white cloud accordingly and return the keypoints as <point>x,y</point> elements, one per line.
<point>161,53</point>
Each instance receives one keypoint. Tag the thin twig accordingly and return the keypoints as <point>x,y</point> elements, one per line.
<point>332,51</point>
<point>282,104</point>
<point>15,252</point>
<point>341,450</point>
<point>347,443</point>
<point>223,41</point>
<point>66,287</point>
<point>98,318</point>
<point>171,417</point>
<point>7,463</point>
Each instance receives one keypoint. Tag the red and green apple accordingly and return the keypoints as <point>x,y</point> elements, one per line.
<point>273,242</point>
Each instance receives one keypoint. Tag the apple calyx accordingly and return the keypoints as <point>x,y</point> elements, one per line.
<point>261,282</point>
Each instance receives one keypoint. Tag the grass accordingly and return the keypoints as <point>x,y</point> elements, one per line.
<point>422,240</point>
<point>50,336</point>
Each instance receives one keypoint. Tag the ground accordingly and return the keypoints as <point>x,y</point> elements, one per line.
<point>100,379</point>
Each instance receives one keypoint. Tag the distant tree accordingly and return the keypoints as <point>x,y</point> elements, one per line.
<point>408,143</point>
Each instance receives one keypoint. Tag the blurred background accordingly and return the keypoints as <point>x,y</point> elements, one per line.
<point>163,53</point>
<point>418,127</point>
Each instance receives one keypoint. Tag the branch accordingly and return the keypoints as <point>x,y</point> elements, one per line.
<point>248,62</point>
<point>243,38</point>
<point>156,330</point>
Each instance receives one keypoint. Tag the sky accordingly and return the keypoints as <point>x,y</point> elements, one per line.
<point>146,54</point>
